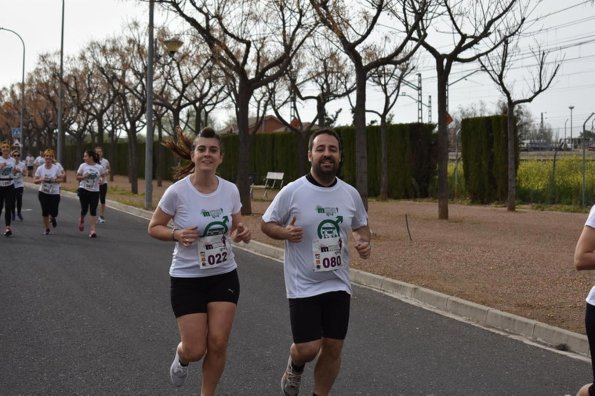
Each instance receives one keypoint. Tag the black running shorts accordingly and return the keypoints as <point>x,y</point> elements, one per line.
<point>191,295</point>
<point>325,315</point>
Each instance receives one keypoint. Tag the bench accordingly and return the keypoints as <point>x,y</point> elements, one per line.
<point>272,180</point>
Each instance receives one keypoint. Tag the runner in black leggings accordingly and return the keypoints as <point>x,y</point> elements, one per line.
<point>19,185</point>
<point>7,171</point>
<point>89,174</point>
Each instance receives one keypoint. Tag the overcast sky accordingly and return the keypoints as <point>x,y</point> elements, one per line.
<point>567,29</point>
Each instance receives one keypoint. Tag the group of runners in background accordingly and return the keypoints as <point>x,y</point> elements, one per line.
<point>92,175</point>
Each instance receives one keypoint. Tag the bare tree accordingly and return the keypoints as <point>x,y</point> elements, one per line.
<point>321,80</point>
<point>122,62</point>
<point>356,28</point>
<point>498,65</point>
<point>253,42</point>
<point>389,79</point>
<point>474,28</point>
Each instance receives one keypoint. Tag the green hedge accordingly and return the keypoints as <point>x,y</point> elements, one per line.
<point>411,158</point>
<point>485,158</point>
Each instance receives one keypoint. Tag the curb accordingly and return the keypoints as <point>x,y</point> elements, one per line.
<point>538,332</point>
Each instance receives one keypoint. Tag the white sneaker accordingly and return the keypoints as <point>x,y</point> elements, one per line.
<point>101,220</point>
<point>177,372</point>
<point>290,382</point>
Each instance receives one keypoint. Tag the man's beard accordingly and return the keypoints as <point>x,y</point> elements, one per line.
<point>327,175</point>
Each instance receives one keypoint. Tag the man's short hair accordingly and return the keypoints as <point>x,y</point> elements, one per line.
<point>325,131</point>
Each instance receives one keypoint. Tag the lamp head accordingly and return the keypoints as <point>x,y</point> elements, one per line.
<point>173,46</point>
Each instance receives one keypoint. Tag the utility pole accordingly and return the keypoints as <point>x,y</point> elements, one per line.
<point>571,142</point>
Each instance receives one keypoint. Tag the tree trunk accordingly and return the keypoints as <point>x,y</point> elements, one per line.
<point>243,179</point>
<point>442,143</point>
<point>511,206</point>
<point>361,141</point>
<point>158,152</point>
<point>132,160</point>
<point>383,196</point>
<point>113,162</point>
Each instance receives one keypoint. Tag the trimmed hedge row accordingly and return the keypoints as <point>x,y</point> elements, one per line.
<point>411,158</point>
<point>485,158</point>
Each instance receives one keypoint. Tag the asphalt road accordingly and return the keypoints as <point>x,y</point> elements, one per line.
<point>92,317</point>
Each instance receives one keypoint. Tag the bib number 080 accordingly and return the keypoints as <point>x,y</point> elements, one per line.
<point>331,262</point>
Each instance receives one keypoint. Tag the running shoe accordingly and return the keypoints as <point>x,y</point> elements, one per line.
<point>20,216</point>
<point>7,232</point>
<point>101,219</point>
<point>54,222</point>
<point>46,232</point>
<point>177,372</point>
<point>82,224</point>
<point>290,382</point>
<point>92,234</point>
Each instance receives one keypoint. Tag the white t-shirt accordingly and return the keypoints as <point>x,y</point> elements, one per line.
<point>105,163</point>
<point>323,213</point>
<point>6,175</point>
<point>39,161</point>
<point>93,172</point>
<point>29,160</point>
<point>212,213</point>
<point>47,186</point>
<point>18,177</point>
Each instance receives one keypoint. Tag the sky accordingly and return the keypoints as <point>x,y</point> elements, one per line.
<point>566,29</point>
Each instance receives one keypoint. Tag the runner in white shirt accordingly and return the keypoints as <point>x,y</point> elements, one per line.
<point>49,176</point>
<point>88,174</point>
<point>7,171</point>
<point>19,185</point>
<point>205,211</point>
<point>584,259</point>
<point>102,183</point>
<point>315,215</point>
<point>29,161</point>
<point>39,160</point>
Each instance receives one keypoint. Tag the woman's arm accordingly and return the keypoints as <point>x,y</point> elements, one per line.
<point>584,253</point>
<point>158,226</point>
<point>239,231</point>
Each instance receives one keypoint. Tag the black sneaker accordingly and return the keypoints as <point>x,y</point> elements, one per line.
<point>46,232</point>
<point>54,222</point>
<point>20,216</point>
<point>7,232</point>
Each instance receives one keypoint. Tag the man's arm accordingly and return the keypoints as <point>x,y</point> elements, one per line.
<point>362,237</point>
<point>290,232</point>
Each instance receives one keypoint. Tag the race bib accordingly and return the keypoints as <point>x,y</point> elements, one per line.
<point>46,188</point>
<point>213,251</point>
<point>327,254</point>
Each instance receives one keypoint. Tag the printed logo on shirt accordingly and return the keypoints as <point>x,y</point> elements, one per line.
<point>212,213</point>
<point>327,211</point>
<point>216,227</point>
<point>329,228</point>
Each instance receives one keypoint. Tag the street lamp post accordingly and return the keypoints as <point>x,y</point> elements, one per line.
<point>571,143</point>
<point>149,114</point>
<point>172,47</point>
<point>22,91</point>
<point>60,145</point>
